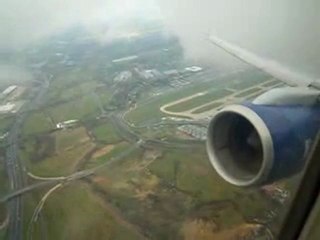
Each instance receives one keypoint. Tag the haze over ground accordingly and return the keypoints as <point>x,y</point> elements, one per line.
<point>284,30</point>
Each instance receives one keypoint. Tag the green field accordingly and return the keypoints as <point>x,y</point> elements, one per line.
<point>75,94</point>
<point>3,211</point>
<point>247,92</point>
<point>198,101</point>
<point>106,133</point>
<point>165,168</point>
<point>37,123</point>
<point>177,186</point>
<point>252,97</point>
<point>4,188</point>
<point>84,107</point>
<point>71,84</point>
<point>314,233</point>
<point>2,234</point>
<point>193,174</point>
<point>248,79</point>
<point>207,108</point>
<point>70,147</point>
<point>272,83</point>
<point>5,123</point>
<point>75,213</point>
<point>118,149</point>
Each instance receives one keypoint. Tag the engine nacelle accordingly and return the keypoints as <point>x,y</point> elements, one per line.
<point>258,143</point>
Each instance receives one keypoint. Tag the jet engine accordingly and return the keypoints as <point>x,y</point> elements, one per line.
<point>259,142</point>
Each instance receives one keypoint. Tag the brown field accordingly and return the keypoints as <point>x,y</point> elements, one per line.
<point>199,229</point>
<point>103,151</point>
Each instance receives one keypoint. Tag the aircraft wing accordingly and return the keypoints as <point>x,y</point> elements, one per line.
<point>271,67</point>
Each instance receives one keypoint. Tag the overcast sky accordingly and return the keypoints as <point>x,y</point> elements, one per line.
<point>285,30</point>
<point>25,21</point>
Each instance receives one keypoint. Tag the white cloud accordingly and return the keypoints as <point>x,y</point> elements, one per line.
<point>284,30</point>
<point>26,21</point>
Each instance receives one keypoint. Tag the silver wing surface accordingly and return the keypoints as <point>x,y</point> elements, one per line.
<point>269,66</point>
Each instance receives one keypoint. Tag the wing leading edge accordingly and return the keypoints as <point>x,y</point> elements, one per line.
<point>271,67</point>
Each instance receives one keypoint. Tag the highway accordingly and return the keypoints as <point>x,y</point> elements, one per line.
<point>37,211</point>
<point>129,135</point>
<point>73,177</point>
<point>18,192</point>
<point>16,174</point>
<point>14,168</point>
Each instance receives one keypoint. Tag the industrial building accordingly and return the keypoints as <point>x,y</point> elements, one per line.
<point>194,131</point>
<point>9,90</point>
<point>123,76</point>
<point>125,59</point>
<point>171,72</point>
<point>149,74</point>
<point>7,108</point>
<point>67,124</point>
<point>193,69</point>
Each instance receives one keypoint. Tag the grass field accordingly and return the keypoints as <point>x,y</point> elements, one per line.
<point>198,101</point>
<point>248,79</point>
<point>71,83</point>
<point>270,84</point>
<point>207,108</point>
<point>201,229</point>
<point>315,230</point>
<point>193,174</point>
<point>37,123</point>
<point>86,106</point>
<point>3,178</point>
<point>5,123</point>
<point>28,149</point>
<point>3,211</point>
<point>138,197</point>
<point>106,133</point>
<point>76,85</point>
<point>178,186</point>
<point>73,92</point>
<point>78,90</point>
<point>117,149</point>
<point>2,234</point>
<point>69,138</point>
<point>71,146</point>
<point>75,213</point>
<point>165,168</point>
<point>248,92</point>
<point>3,189</point>
<point>254,96</point>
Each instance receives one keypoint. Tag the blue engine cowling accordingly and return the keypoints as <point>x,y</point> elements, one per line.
<point>253,144</point>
